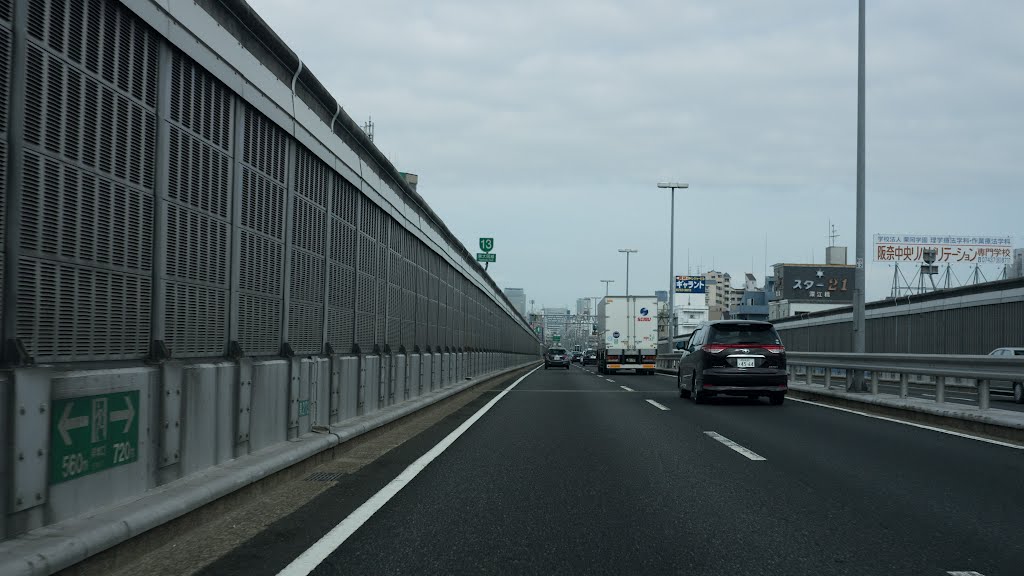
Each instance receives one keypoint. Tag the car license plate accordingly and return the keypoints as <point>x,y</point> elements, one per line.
<point>744,362</point>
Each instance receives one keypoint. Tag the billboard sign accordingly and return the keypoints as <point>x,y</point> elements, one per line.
<point>814,283</point>
<point>895,248</point>
<point>690,285</point>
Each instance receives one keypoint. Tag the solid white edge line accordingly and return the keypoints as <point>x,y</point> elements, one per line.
<point>657,405</point>
<point>748,453</point>
<point>914,424</point>
<point>318,552</point>
<point>627,388</point>
<point>964,573</point>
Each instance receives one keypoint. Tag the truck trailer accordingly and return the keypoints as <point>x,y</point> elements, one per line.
<point>627,329</point>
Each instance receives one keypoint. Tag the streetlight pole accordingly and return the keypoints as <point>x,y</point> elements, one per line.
<point>672,256</point>
<point>859,336</point>
<point>606,283</point>
<point>627,252</point>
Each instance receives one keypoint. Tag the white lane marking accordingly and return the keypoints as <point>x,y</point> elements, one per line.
<point>627,388</point>
<point>666,375</point>
<point>914,424</point>
<point>656,405</point>
<point>748,453</point>
<point>960,573</point>
<point>318,552</point>
<point>610,380</point>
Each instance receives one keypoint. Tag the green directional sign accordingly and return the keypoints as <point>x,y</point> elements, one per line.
<point>556,338</point>
<point>480,257</point>
<point>93,433</point>
<point>487,244</point>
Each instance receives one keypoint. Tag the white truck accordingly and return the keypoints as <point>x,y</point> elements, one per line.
<point>627,329</point>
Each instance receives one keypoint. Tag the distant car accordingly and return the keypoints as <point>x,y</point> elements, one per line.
<point>999,385</point>
<point>558,357</point>
<point>734,357</point>
<point>577,357</point>
<point>589,357</point>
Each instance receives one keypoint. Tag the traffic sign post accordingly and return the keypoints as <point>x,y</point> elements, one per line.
<point>93,433</point>
<point>486,244</point>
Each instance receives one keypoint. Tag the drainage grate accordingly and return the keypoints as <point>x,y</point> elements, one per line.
<point>325,476</point>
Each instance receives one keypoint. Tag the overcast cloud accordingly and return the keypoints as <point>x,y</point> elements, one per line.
<point>547,124</point>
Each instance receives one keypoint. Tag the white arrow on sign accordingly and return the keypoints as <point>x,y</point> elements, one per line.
<point>128,414</point>
<point>66,423</point>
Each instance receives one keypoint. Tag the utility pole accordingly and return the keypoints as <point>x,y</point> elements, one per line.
<point>859,284</point>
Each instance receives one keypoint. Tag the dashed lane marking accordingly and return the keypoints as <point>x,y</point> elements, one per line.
<point>748,453</point>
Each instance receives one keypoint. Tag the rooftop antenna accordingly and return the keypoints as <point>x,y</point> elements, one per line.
<point>833,234</point>
<point>368,128</point>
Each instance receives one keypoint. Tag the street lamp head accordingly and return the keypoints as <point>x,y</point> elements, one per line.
<point>672,185</point>
<point>628,250</point>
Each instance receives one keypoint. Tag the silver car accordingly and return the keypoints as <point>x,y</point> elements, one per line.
<point>1001,385</point>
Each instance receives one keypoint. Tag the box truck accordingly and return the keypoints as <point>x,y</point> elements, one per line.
<point>627,331</point>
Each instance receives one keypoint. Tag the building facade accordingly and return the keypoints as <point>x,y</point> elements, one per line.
<point>518,299</point>
<point>1016,268</point>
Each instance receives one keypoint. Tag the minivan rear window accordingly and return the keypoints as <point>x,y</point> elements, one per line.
<point>557,350</point>
<point>743,334</point>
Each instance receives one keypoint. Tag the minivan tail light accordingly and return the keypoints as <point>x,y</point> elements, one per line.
<point>715,348</point>
<point>774,348</point>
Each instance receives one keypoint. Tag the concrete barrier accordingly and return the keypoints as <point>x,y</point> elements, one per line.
<point>202,431</point>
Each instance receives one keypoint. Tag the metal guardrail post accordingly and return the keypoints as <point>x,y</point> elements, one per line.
<point>874,382</point>
<point>828,378</point>
<point>983,395</point>
<point>904,382</point>
<point>940,388</point>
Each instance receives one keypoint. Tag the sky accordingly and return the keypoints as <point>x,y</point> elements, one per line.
<point>546,125</point>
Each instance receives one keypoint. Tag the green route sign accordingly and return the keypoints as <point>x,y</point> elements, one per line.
<point>481,257</point>
<point>556,338</point>
<point>486,244</point>
<point>93,433</point>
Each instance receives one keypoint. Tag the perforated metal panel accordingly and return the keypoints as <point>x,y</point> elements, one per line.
<point>68,312</point>
<point>341,284</point>
<point>199,209</point>
<point>313,184</point>
<point>74,115</point>
<point>87,213</point>
<point>5,81</point>
<point>262,235</point>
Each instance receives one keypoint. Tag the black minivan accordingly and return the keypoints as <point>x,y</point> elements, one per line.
<point>734,357</point>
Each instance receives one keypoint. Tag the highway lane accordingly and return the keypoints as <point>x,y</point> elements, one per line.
<point>575,472</point>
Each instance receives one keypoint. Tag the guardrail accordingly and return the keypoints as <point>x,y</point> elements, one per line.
<point>980,371</point>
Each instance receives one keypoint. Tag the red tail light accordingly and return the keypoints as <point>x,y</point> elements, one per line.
<point>650,358</point>
<point>715,348</point>
<point>774,348</point>
<point>613,358</point>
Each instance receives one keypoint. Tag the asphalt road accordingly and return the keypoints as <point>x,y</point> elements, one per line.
<point>572,472</point>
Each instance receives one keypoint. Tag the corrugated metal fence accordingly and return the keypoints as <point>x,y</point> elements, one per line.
<point>969,320</point>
